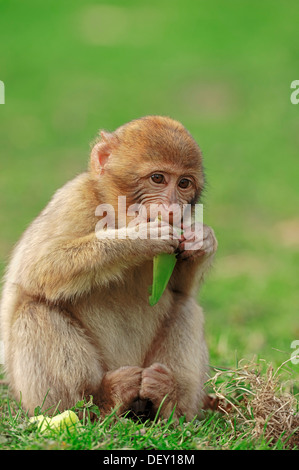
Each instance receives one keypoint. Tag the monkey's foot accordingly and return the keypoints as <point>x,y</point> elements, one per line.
<point>120,388</point>
<point>158,385</point>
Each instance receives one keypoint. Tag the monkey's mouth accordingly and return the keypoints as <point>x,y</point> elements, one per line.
<point>168,214</point>
<point>169,219</point>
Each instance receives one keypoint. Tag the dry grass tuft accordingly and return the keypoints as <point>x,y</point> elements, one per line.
<point>260,401</point>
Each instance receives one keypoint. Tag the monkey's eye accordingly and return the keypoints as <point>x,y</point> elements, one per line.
<point>157,178</point>
<point>184,183</point>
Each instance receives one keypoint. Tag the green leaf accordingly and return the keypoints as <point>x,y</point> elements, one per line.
<point>163,266</point>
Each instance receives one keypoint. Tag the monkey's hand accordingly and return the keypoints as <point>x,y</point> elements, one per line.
<point>192,246</point>
<point>154,237</point>
<point>158,386</point>
<point>119,389</point>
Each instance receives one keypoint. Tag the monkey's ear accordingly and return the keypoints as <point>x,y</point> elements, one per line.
<point>101,153</point>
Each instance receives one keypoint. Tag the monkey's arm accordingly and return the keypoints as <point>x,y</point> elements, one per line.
<point>59,256</point>
<point>192,265</point>
<point>63,268</point>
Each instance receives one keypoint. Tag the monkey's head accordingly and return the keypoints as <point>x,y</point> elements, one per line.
<point>151,160</point>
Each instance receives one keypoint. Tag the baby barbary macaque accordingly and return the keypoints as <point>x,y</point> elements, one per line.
<point>75,316</point>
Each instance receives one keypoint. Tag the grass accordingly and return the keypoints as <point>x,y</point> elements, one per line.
<point>226,74</point>
<point>254,413</point>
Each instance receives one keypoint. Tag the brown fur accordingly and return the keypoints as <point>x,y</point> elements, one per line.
<point>75,316</point>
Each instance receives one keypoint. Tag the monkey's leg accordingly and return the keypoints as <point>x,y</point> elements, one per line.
<point>50,358</point>
<point>177,365</point>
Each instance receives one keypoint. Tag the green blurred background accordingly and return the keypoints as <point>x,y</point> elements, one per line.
<point>224,69</point>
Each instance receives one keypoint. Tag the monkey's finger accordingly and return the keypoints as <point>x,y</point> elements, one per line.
<point>161,368</point>
<point>200,248</point>
<point>193,232</point>
<point>191,245</point>
<point>158,229</point>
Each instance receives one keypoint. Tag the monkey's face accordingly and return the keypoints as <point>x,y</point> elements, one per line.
<point>166,190</point>
<point>152,161</point>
